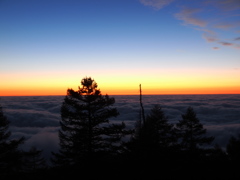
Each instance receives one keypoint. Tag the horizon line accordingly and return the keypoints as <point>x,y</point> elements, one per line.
<point>133,94</point>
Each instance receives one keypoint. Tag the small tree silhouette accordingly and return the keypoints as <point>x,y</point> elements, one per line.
<point>10,155</point>
<point>85,129</point>
<point>191,133</point>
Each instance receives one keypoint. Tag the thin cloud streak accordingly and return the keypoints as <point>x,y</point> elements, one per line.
<point>209,38</point>
<point>218,21</point>
<point>188,15</point>
<point>221,19</point>
<point>237,39</point>
<point>156,4</point>
<point>226,25</point>
<point>228,5</point>
<point>226,43</point>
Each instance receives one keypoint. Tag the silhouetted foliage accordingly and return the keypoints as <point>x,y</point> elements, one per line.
<point>85,129</point>
<point>154,138</point>
<point>158,130</point>
<point>233,148</point>
<point>217,154</point>
<point>10,155</point>
<point>33,160</point>
<point>191,134</point>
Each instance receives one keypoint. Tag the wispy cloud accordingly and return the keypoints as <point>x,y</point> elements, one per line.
<point>227,25</point>
<point>188,15</point>
<point>209,37</point>
<point>223,15</point>
<point>228,5</point>
<point>224,18</point>
<point>233,45</point>
<point>229,44</point>
<point>156,4</point>
<point>237,39</point>
<point>226,43</point>
<point>237,46</point>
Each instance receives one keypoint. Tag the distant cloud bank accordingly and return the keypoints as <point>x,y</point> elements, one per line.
<point>37,117</point>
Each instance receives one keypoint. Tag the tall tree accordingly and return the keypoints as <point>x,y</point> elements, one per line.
<point>85,128</point>
<point>10,155</point>
<point>191,133</point>
<point>156,134</point>
<point>158,130</point>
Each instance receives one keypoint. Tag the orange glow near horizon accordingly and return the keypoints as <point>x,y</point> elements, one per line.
<point>51,47</point>
<point>130,91</point>
<point>121,83</point>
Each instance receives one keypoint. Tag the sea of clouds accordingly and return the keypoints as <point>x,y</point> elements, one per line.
<point>37,117</point>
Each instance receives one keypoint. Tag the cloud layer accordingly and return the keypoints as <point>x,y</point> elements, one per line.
<point>37,117</point>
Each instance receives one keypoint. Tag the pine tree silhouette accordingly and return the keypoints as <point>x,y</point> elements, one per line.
<point>191,133</point>
<point>159,130</point>
<point>156,134</point>
<point>85,129</point>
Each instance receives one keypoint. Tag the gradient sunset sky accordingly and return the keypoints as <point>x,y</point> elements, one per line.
<point>167,46</point>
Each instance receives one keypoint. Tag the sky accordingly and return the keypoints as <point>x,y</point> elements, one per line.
<point>167,46</point>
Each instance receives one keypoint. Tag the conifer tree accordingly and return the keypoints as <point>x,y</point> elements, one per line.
<point>158,130</point>
<point>10,155</point>
<point>192,135</point>
<point>155,135</point>
<point>85,128</point>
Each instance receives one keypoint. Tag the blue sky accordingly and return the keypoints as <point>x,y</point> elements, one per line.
<point>118,42</point>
